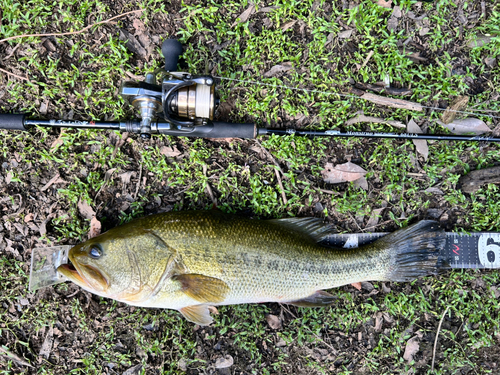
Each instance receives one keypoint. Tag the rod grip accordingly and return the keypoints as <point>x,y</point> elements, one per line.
<point>230,130</point>
<point>212,130</point>
<point>12,121</point>
<point>171,50</point>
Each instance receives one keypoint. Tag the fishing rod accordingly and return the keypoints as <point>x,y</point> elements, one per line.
<point>185,104</point>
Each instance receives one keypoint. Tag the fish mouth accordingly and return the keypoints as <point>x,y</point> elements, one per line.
<point>86,276</point>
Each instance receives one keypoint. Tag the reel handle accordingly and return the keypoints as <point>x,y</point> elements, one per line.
<point>171,50</point>
<point>12,122</point>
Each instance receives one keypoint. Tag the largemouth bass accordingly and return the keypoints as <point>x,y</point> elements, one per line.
<point>191,260</point>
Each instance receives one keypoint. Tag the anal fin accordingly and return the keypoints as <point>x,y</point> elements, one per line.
<point>198,314</point>
<point>204,289</point>
<point>318,299</point>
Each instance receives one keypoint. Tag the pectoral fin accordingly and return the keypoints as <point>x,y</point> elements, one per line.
<point>204,289</point>
<point>198,314</point>
<point>318,299</point>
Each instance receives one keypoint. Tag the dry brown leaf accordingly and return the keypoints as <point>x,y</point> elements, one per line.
<point>136,370</point>
<point>361,183</point>
<point>392,102</point>
<point>342,173</point>
<point>467,125</point>
<point>356,285</point>
<point>345,34</point>
<point>385,4</point>
<point>170,151</point>
<point>8,177</point>
<point>374,217</point>
<point>224,362</point>
<point>126,176</point>
<point>273,321</point>
<point>243,17</point>
<point>85,210</point>
<point>420,144</point>
<point>59,141</point>
<point>288,25</point>
<point>360,117</point>
<point>138,26</point>
<point>459,104</point>
<point>29,217</point>
<point>378,321</point>
<point>47,344</point>
<point>213,310</point>
<point>277,69</point>
<point>412,347</point>
<point>95,228</point>
<point>44,107</point>
<point>108,174</point>
<point>480,41</point>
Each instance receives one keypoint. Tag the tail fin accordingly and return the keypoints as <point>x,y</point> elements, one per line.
<point>414,250</point>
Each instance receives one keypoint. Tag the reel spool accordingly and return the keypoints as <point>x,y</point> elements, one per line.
<point>182,100</point>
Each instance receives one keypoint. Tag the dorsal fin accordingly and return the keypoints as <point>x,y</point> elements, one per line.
<point>309,227</point>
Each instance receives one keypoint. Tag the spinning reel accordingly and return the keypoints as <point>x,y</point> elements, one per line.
<point>182,99</point>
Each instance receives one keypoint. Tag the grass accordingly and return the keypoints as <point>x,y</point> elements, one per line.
<point>84,81</point>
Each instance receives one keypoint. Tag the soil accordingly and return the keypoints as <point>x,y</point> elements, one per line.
<point>28,212</point>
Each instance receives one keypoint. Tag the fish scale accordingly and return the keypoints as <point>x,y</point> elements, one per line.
<point>193,259</point>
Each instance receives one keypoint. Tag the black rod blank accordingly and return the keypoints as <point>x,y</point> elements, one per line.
<point>349,134</point>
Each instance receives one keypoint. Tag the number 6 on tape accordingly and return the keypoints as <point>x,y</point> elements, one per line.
<point>488,248</point>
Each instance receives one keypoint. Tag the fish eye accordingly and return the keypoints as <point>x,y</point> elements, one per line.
<point>95,252</point>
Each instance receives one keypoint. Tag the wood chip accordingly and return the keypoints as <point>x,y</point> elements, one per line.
<point>392,102</point>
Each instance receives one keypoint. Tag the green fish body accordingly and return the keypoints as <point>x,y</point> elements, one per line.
<point>191,260</point>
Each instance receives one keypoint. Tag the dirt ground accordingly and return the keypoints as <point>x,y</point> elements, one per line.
<point>30,211</point>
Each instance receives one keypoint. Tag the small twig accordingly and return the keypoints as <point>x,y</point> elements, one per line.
<point>268,154</point>
<point>283,195</point>
<point>15,75</point>
<point>7,353</point>
<point>11,52</point>
<point>209,188</point>
<point>270,157</point>
<point>138,182</point>
<point>436,340</point>
<point>72,32</point>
